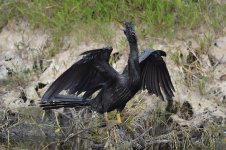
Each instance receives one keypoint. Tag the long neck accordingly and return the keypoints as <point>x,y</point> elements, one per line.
<point>133,64</point>
<point>132,39</point>
<point>133,51</point>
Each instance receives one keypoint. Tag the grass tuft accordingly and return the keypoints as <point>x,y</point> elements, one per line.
<point>156,18</point>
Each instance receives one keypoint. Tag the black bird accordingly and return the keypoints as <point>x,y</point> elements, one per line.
<point>94,73</point>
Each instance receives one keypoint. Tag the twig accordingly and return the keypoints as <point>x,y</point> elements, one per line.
<point>159,142</point>
<point>143,134</point>
<point>75,134</point>
<point>164,136</point>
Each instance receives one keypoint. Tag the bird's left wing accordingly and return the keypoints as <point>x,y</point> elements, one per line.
<point>87,75</point>
<point>154,74</point>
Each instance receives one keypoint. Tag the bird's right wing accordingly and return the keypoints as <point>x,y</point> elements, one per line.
<point>87,75</point>
<point>154,74</point>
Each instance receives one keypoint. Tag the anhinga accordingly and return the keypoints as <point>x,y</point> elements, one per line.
<point>94,73</point>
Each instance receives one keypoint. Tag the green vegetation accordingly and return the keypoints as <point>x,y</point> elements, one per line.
<point>154,17</point>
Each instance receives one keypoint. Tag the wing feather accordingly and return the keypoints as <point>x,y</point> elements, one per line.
<point>167,75</point>
<point>85,75</point>
<point>144,75</point>
<point>167,82</point>
<point>165,86</point>
<point>155,79</point>
<point>158,84</point>
<point>155,76</point>
<point>149,77</point>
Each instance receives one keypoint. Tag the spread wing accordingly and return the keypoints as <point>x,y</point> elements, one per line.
<point>87,75</point>
<point>154,74</point>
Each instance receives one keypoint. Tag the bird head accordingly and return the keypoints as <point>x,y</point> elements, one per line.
<point>128,28</point>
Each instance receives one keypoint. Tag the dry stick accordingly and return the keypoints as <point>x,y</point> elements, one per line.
<point>55,142</point>
<point>75,134</point>
<point>159,142</point>
<point>163,138</point>
<point>159,139</point>
<point>141,135</point>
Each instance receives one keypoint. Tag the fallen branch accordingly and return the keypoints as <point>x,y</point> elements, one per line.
<point>70,136</point>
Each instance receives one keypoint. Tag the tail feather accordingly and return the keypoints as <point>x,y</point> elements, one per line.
<point>65,101</point>
<point>47,107</point>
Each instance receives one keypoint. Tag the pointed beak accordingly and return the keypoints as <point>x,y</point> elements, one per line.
<point>120,25</point>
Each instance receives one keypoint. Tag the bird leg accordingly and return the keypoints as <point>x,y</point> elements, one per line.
<point>119,119</point>
<point>121,126</point>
